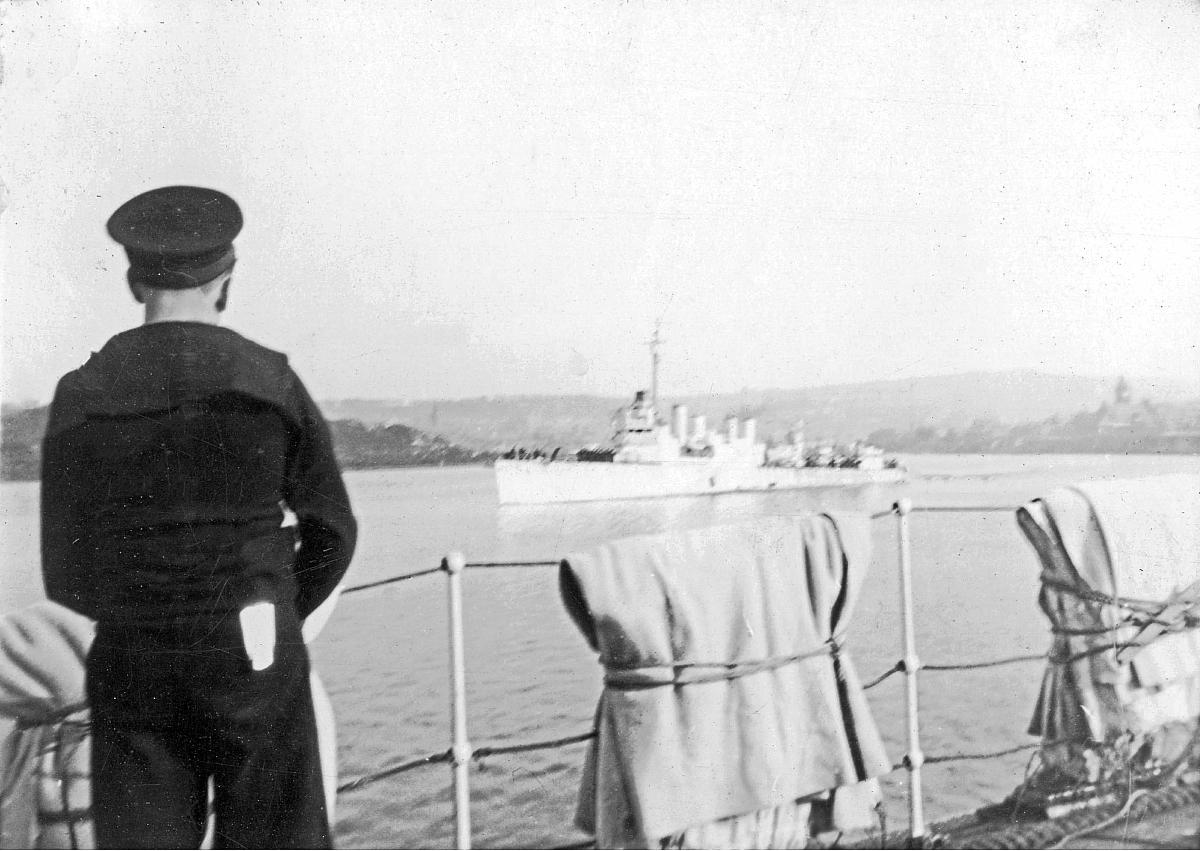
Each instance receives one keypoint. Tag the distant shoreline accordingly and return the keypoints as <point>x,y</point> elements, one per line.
<point>488,462</point>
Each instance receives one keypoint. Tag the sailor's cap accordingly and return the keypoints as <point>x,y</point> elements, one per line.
<point>177,237</point>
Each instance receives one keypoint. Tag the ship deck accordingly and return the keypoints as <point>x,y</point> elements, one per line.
<point>1175,829</point>
<point>1168,817</point>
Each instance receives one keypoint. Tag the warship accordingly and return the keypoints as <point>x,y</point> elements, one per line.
<point>652,457</point>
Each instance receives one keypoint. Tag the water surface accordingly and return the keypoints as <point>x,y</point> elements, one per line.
<point>531,676</point>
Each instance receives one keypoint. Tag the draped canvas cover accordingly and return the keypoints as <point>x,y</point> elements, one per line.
<point>682,745</point>
<point>1120,566</point>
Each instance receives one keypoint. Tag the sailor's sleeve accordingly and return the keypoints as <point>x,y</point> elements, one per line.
<point>66,571</point>
<point>314,490</point>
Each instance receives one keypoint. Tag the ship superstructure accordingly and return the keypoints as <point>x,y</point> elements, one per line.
<point>653,457</point>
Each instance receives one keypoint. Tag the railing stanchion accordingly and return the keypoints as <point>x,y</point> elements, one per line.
<point>454,564</point>
<point>912,667</point>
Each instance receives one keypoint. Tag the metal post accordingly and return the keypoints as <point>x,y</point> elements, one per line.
<point>460,751</point>
<point>912,667</point>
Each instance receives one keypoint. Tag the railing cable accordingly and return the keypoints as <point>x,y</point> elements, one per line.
<point>497,750</point>
<point>401,578</point>
<point>961,509</point>
<point>958,757</point>
<point>895,669</point>
<point>992,663</point>
<point>383,774</point>
<point>414,575</point>
<point>946,509</point>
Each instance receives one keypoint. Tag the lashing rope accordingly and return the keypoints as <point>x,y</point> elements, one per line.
<point>636,678</point>
<point>1090,596</point>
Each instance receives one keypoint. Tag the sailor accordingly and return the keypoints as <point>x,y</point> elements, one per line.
<point>168,461</point>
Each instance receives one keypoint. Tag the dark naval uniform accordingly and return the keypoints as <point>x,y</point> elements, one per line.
<point>168,460</point>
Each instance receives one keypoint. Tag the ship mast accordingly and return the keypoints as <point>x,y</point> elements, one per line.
<point>655,341</point>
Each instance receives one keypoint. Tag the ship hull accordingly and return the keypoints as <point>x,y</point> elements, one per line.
<point>537,482</point>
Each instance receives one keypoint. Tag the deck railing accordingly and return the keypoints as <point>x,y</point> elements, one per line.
<point>460,755</point>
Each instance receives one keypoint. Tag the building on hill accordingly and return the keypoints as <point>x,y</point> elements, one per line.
<point>1124,416</point>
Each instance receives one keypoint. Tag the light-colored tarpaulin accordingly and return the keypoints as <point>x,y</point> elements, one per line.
<point>728,703</point>
<point>42,649</point>
<point>1121,585</point>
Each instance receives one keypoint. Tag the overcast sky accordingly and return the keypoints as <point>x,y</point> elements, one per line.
<point>457,199</point>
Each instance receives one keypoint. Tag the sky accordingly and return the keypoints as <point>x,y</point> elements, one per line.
<point>449,200</point>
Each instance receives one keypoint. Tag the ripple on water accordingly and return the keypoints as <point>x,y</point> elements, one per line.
<point>531,676</point>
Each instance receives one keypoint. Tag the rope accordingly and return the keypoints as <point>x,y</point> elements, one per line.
<point>401,578</point>
<point>1089,595</point>
<point>900,667</point>
<point>959,757</point>
<point>479,564</point>
<point>447,756</point>
<point>367,779</point>
<point>1009,660</point>
<point>480,753</point>
<point>944,509</point>
<point>895,669</point>
<point>628,679</point>
<point>960,509</point>
<point>1113,819</point>
<point>61,760</point>
<point>993,663</point>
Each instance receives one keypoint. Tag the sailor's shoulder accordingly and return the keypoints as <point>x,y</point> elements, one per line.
<point>256,351</point>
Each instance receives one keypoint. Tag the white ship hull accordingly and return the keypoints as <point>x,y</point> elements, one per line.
<point>537,482</point>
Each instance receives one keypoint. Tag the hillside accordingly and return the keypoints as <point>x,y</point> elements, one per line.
<point>1005,411</point>
<point>358,446</point>
<point>839,412</point>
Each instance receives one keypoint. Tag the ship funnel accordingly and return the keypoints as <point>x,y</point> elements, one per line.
<point>700,427</point>
<point>750,430</point>
<point>731,426</point>
<point>681,423</point>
